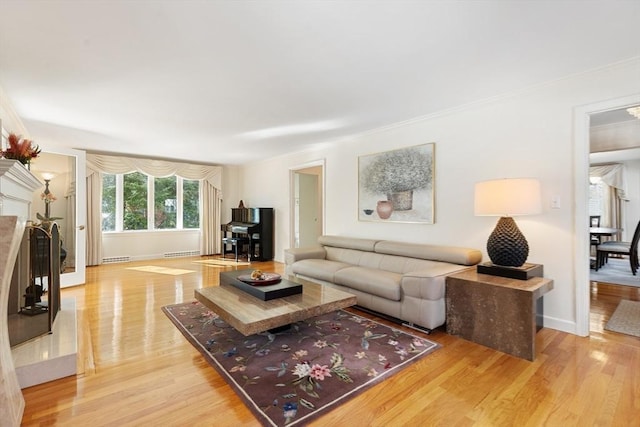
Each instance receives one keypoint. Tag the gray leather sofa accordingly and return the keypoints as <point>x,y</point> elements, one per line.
<point>402,280</point>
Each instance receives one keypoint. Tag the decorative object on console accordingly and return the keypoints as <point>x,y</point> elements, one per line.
<point>47,197</point>
<point>507,246</point>
<point>275,287</point>
<point>404,177</point>
<point>20,149</point>
<point>260,278</point>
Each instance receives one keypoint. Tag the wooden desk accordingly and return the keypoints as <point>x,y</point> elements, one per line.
<point>497,312</point>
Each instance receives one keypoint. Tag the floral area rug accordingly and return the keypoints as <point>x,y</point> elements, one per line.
<point>289,378</point>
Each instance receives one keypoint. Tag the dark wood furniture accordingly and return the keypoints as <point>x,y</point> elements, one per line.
<point>615,247</point>
<point>251,229</point>
<point>497,312</point>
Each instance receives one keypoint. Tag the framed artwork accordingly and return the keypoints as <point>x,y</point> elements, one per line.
<point>397,185</point>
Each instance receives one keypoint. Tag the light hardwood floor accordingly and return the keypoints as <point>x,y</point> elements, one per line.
<point>137,369</point>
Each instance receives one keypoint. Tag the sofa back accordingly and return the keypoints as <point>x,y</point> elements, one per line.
<point>452,254</point>
<point>348,243</point>
<point>393,256</point>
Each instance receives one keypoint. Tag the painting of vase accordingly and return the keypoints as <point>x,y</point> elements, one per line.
<point>404,178</point>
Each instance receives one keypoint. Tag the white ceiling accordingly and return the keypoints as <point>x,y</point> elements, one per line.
<point>228,82</point>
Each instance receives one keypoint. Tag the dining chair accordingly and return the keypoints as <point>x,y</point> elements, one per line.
<point>615,247</point>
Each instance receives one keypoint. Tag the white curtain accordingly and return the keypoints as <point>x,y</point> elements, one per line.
<point>210,219</point>
<point>69,229</point>
<point>614,176</point>
<point>155,168</point>
<point>210,195</point>
<point>94,216</point>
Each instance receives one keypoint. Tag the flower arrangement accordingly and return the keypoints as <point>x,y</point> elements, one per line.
<point>48,197</point>
<point>23,150</point>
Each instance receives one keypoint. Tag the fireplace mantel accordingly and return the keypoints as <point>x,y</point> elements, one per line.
<point>17,185</point>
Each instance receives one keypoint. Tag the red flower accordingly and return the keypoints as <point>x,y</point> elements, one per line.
<point>20,149</point>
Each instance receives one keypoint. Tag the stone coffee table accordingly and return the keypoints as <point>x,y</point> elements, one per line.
<point>250,315</point>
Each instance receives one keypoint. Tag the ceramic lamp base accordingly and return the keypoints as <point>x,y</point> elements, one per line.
<point>507,245</point>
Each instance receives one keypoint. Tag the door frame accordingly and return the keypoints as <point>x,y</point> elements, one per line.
<point>78,277</point>
<point>581,197</point>
<point>292,196</point>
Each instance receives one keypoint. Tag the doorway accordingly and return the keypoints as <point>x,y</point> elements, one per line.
<point>65,169</point>
<point>582,117</point>
<point>614,196</point>
<point>307,204</point>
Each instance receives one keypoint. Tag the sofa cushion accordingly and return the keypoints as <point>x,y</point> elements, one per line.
<point>385,284</point>
<point>319,268</point>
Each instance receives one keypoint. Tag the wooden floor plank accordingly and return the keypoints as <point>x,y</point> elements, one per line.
<point>137,369</point>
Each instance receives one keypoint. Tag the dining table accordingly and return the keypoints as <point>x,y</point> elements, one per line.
<point>603,231</point>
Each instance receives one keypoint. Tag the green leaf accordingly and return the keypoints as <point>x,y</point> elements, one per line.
<point>307,404</point>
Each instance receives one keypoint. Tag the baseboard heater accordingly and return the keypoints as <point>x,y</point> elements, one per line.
<point>181,254</point>
<point>115,259</point>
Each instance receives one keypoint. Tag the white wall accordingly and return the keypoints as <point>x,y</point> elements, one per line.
<point>139,245</point>
<point>526,134</point>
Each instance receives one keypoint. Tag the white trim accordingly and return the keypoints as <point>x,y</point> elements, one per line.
<point>581,200</point>
<point>292,199</point>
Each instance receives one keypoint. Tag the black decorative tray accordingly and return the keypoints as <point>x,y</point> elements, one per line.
<point>267,279</point>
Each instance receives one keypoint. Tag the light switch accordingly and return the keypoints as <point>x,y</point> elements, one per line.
<point>555,202</point>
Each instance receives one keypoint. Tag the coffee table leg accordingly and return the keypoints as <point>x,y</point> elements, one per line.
<point>280,329</point>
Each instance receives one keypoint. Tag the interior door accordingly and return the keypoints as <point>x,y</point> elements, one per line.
<point>307,204</point>
<point>66,170</point>
<point>308,209</point>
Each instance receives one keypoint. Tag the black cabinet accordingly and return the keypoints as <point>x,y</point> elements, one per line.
<point>252,228</point>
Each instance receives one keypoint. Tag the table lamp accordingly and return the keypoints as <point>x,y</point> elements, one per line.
<point>506,198</point>
<point>47,176</point>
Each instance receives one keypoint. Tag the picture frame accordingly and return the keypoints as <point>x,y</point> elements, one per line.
<point>397,185</point>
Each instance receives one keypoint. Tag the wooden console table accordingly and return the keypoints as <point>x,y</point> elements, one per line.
<point>497,312</point>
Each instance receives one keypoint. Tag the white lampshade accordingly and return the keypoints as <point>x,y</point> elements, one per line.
<point>48,175</point>
<point>508,197</point>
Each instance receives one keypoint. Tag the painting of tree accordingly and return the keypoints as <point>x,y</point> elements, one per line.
<point>401,180</point>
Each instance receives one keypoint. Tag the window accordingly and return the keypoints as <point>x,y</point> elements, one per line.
<point>135,201</point>
<point>190,204</point>
<point>596,196</point>
<point>108,202</point>
<point>165,202</point>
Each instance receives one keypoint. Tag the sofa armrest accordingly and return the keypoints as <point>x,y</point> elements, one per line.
<point>296,254</point>
<point>428,284</point>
